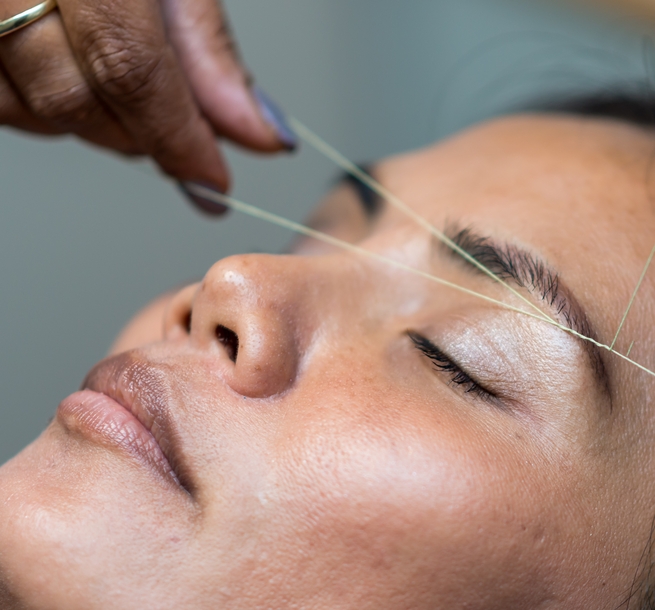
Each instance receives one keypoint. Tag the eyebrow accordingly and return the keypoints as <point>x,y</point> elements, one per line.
<point>510,262</point>
<point>371,201</point>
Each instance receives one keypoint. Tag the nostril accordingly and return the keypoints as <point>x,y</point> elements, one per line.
<point>186,322</point>
<point>230,340</point>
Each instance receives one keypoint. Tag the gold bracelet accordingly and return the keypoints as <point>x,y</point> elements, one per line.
<point>26,17</point>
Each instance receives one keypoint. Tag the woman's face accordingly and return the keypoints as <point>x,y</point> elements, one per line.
<point>323,430</point>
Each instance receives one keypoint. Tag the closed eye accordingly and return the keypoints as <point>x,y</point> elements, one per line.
<point>445,364</point>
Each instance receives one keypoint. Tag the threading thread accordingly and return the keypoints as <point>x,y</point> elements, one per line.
<point>256,212</point>
<point>329,151</point>
<point>634,296</point>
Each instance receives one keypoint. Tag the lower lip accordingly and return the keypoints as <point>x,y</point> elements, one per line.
<point>100,419</point>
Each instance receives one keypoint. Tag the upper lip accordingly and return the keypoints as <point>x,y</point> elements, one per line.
<point>143,390</point>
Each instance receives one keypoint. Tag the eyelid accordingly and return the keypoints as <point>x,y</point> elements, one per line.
<point>446,364</point>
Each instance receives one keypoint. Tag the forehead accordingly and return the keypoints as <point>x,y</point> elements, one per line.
<point>534,165</point>
<point>555,183</point>
<point>577,192</point>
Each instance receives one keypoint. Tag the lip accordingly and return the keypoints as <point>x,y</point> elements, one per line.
<point>124,404</point>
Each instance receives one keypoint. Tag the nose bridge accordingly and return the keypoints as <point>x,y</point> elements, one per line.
<point>255,310</point>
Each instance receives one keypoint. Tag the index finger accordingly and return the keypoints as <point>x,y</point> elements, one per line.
<point>122,49</point>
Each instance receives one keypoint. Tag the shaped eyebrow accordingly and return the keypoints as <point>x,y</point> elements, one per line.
<point>512,263</point>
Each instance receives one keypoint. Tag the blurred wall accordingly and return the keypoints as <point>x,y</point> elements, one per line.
<point>87,238</point>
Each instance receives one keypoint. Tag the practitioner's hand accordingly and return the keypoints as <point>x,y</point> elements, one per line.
<point>152,77</point>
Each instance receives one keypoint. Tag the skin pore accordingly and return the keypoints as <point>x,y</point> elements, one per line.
<point>333,433</point>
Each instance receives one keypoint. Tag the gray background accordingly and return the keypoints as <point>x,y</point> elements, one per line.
<point>87,238</point>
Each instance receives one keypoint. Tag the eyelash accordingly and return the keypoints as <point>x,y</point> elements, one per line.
<point>443,363</point>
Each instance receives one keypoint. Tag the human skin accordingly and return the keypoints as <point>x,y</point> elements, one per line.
<point>332,465</point>
<point>162,79</point>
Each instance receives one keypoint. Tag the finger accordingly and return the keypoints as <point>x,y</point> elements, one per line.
<point>42,69</point>
<point>14,113</point>
<point>202,37</point>
<point>123,51</point>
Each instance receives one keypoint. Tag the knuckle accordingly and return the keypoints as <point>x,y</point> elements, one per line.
<point>124,70</point>
<point>66,107</point>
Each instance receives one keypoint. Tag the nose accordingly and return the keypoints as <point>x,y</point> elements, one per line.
<point>248,311</point>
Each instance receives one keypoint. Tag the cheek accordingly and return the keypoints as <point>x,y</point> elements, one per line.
<point>444,506</point>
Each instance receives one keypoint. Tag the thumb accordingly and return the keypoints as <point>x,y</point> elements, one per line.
<point>200,33</point>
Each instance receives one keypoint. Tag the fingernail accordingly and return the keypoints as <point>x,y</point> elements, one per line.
<point>201,203</point>
<point>276,118</point>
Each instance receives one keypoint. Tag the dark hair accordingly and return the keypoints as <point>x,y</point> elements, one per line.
<point>637,107</point>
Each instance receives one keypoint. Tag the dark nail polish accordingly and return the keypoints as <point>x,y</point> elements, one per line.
<point>204,205</point>
<point>276,118</point>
